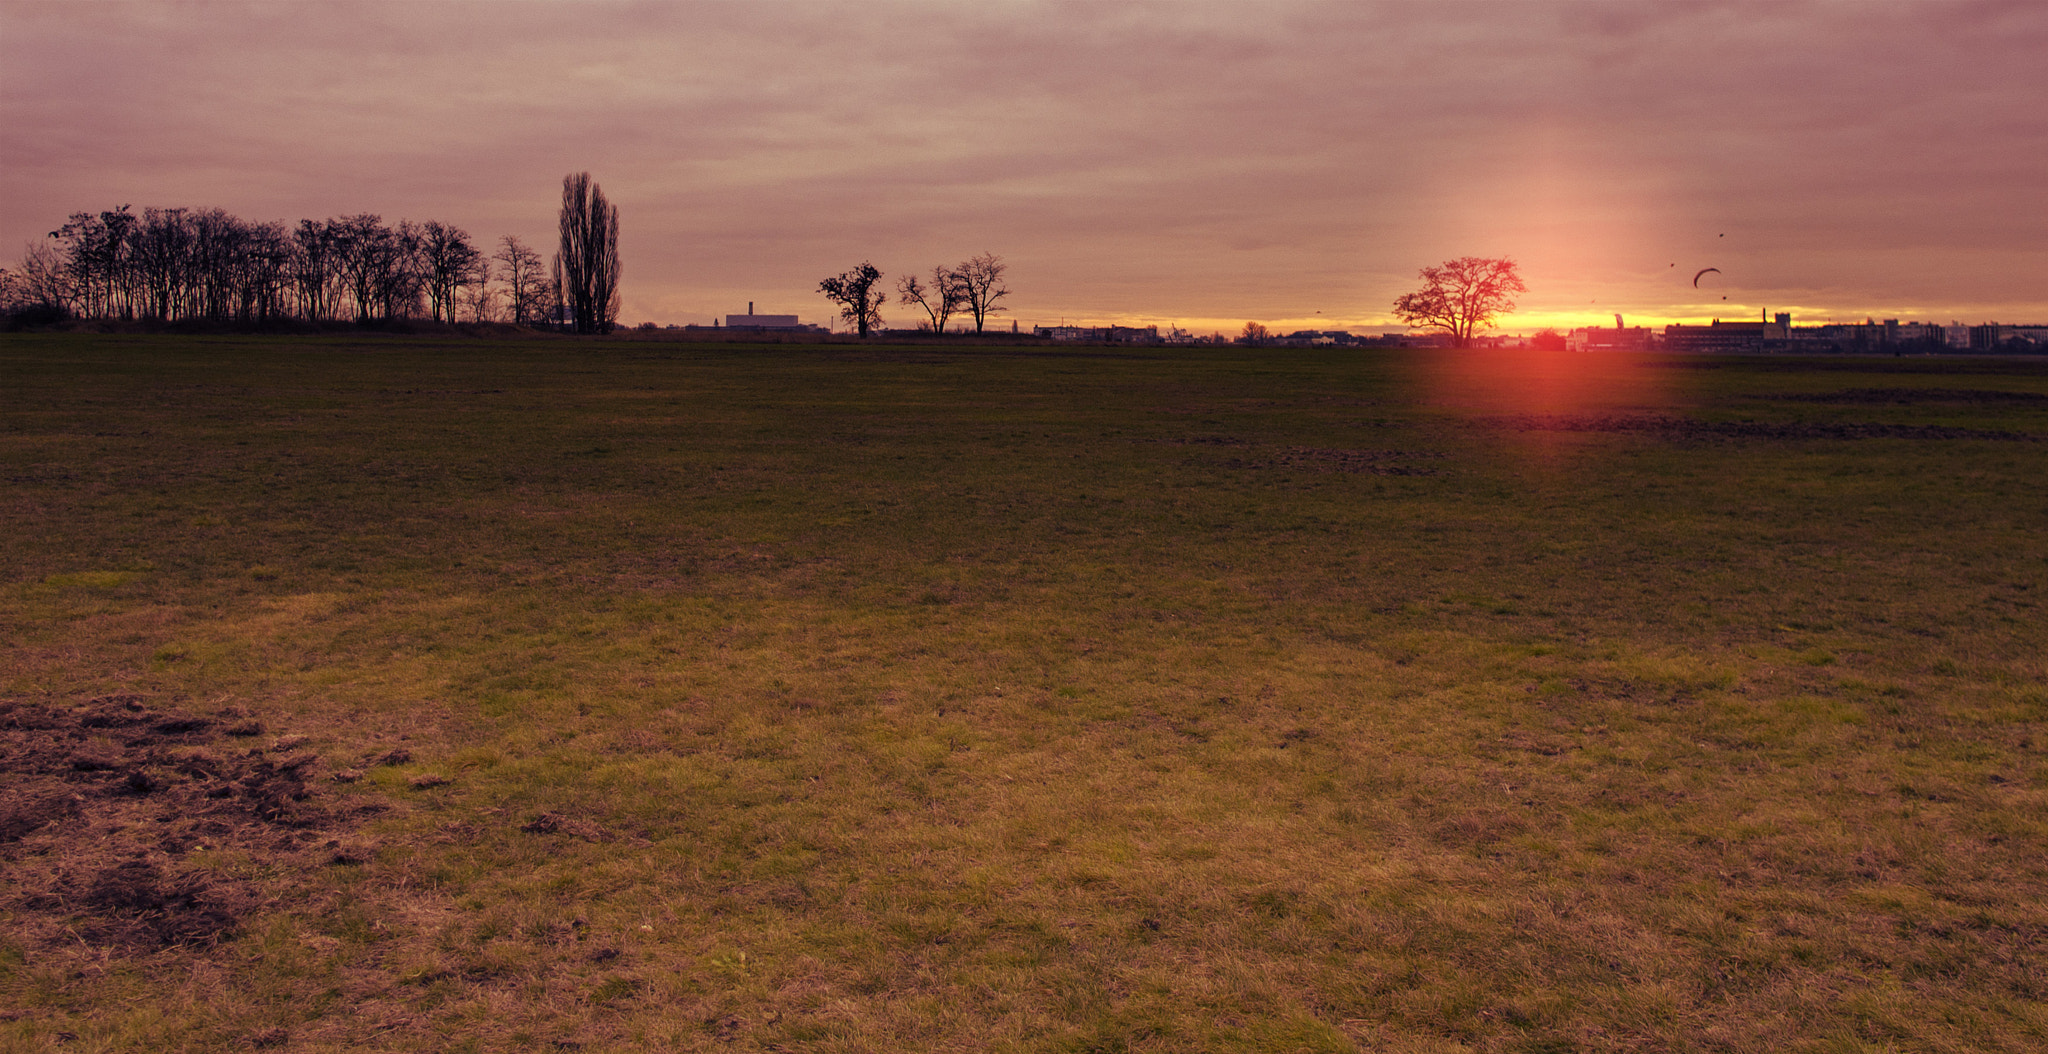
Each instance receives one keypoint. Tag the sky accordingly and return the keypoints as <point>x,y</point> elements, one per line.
<point>1188,163</point>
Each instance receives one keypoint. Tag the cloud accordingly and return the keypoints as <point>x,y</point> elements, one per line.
<point>1174,160</point>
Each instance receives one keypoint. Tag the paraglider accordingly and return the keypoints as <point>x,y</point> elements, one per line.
<point>1703,270</point>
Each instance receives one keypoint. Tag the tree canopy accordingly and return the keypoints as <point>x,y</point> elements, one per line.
<point>1460,296</point>
<point>859,296</point>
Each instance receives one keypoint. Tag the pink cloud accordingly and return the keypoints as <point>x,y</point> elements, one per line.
<point>1182,160</point>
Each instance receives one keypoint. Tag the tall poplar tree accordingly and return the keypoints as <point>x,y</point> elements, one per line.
<point>588,260</point>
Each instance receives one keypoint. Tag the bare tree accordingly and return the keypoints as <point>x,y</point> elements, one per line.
<point>526,285</point>
<point>43,278</point>
<point>981,285</point>
<point>1460,296</point>
<point>179,263</point>
<point>405,274</point>
<point>1255,333</point>
<point>313,265</point>
<point>218,260</point>
<point>449,263</point>
<point>263,272</point>
<point>860,302</point>
<point>588,260</point>
<point>939,300</point>
<point>98,258</point>
<point>362,250</point>
<point>161,258</point>
<point>482,299</point>
<point>26,295</point>
<point>175,263</point>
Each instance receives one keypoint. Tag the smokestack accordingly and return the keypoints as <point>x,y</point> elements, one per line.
<point>1617,321</point>
<point>750,307</point>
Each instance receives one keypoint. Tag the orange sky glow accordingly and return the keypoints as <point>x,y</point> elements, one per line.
<point>1189,163</point>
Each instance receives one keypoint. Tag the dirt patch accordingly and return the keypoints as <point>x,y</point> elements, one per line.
<point>103,805</point>
<point>1693,429</point>
<point>556,823</point>
<point>1917,397</point>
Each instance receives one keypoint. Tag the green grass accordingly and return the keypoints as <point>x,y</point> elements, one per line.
<point>1056,700</point>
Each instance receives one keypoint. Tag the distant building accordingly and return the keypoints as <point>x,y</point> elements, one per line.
<point>1870,336</point>
<point>1873,336</point>
<point>769,322</point>
<point>1601,338</point>
<point>1917,334</point>
<point>1729,336</point>
<point>751,321</point>
<point>1099,334</point>
<point>1995,337</point>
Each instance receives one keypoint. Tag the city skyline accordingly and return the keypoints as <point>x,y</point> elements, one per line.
<point>1197,165</point>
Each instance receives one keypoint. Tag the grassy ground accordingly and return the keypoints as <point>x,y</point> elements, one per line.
<point>644,697</point>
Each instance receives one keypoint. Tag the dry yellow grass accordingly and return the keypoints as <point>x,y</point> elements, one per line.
<point>837,699</point>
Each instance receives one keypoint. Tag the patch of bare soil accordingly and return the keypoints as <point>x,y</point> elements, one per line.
<point>1692,429</point>
<point>1918,397</point>
<point>103,803</point>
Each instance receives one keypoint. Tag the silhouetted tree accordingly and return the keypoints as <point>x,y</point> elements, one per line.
<point>174,263</point>
<point>587,264</point>
<point>263,277</point>
<point>313,266</point>
<point>404,277</point>
<point>363,248</point>
<point>860,302</point>
<point>981,285</point>
<point>1255,333</point>
<point>97,254</point>
<point>449,263</point>
<point>218,264</point>
<point>939,300</point>
<point>481,300</point>
<point>38,291</point>
<point>44,280</point>
<point>1459,296</point>
<point>179,263</point>
<point>526,285</point>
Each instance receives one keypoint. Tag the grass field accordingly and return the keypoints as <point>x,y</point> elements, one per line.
<point>439,695</point>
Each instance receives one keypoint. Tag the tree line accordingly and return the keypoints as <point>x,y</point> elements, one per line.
<point>173,264</point>
<point>973,286</point>
<point>177,264</point>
